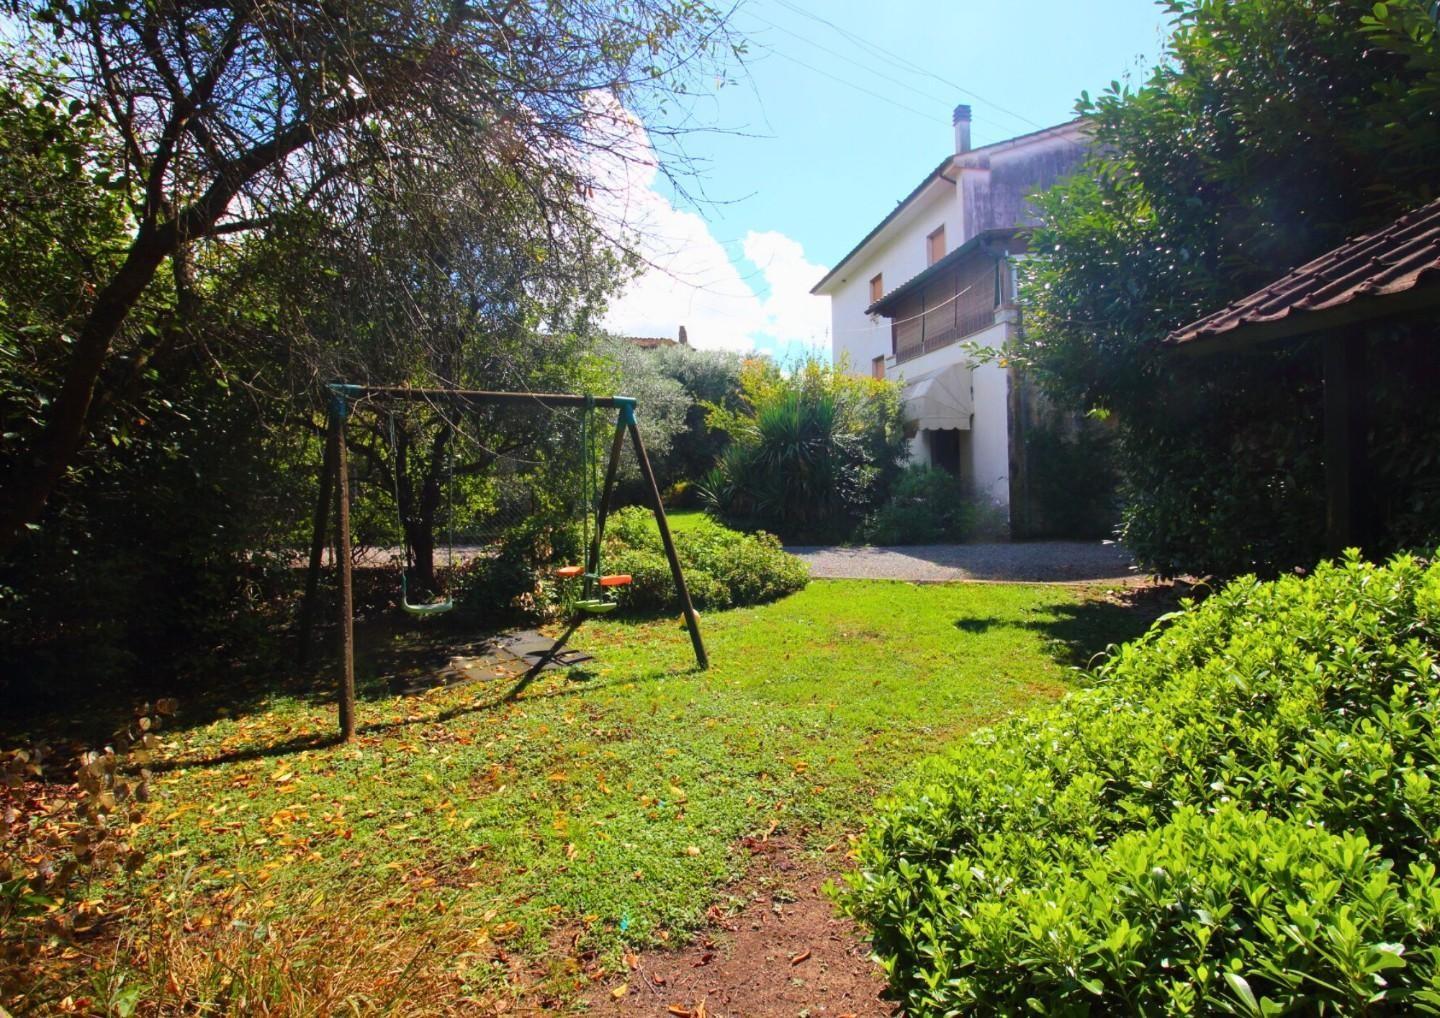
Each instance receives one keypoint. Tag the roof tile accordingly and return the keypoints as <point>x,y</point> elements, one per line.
<point>1389,261</point>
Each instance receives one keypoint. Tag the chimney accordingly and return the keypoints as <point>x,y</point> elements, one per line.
<point>684,339</point>
<point>961,119</point>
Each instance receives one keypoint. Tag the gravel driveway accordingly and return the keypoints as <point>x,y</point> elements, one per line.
<point>1033,561</point>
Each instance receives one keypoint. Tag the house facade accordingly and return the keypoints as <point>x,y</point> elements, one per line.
<point>936,275</point>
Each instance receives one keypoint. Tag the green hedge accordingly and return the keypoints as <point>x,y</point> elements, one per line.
<point>926,506</point>
<point>723,568</point>
<point>1241,817</point>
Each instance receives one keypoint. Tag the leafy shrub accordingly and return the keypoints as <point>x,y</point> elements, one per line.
<point>723,568</point>
<point>1071,482</point>
<point>926,506</point>
<point>1221,459</point>
<point>810,453</point>
<point>682,494</point>
<point>1239,818</point>
<point>514,580</point>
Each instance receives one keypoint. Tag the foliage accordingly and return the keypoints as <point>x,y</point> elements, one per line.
<point>723,568</point>
<point>1270,132</point>
<point>464,837</point>
<point>514,580</point>
<point>926,506</point>
<point>1238,818</point>
<point>58,841</point>
<point>229,122</point>
<point>673,384</point>
<point>709,377</point>
<point>810,452</point>
<point>661,411</point>
<point>1070,481</point>
<point>189,255</point>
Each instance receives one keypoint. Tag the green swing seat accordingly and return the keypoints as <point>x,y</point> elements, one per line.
<point>425,609</point>
<point>594,605</point>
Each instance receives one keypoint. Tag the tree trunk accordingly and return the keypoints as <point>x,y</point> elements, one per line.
<point>30,486</point>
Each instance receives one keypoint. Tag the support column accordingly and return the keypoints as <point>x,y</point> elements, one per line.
<point>692,621</point>
<point>338,412</point>
<point>317,549</point>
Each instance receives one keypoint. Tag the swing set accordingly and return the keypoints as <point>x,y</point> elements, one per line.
<point>596,586</point>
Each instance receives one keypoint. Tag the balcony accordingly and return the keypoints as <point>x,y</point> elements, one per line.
<point>956,297</point>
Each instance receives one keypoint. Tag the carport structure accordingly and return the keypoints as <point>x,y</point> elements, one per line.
<point>1339,301</point>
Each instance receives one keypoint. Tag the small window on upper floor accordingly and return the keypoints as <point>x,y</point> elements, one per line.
<point>877,367</point>
<point>935,246</point>
<point>877,288</point>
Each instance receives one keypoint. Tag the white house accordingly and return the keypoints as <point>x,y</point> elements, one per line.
<point>936,273</point>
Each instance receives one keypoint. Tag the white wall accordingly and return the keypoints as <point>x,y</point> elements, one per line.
<point>985,453</point>
<point>994,184</point>
<point>855,334</point>
<point>990,435</point>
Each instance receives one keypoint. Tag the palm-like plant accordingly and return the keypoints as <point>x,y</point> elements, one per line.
<point>807,459</point>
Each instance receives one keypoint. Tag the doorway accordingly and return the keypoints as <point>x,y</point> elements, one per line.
<point>945,450</point>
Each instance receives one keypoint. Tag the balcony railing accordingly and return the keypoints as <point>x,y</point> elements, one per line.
<point>958,304</point>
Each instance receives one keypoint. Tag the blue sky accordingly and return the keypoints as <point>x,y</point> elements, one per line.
<point>842,107</point>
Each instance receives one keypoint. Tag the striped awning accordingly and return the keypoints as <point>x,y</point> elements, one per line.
<point>940,400</point>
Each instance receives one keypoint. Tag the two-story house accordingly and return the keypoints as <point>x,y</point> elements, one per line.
<point>938,273</point>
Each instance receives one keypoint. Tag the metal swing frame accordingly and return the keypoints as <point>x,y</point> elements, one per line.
<point>335,486</point>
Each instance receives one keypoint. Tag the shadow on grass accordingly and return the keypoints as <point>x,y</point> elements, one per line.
<point>579,682</point>
<point>1077,634</point>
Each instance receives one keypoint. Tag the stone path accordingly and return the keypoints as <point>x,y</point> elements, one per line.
<point>1020,561</point>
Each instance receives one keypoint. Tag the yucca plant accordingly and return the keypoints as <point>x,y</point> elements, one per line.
<point>815,449</point>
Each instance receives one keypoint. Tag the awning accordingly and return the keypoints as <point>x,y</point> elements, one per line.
<point>939,400</point>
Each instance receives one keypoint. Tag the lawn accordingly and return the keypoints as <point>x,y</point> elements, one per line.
<point>682,521</point>
<point>471,850</point>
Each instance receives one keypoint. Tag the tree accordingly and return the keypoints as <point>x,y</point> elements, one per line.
<point>219,118</point>
<point>709,377</point>
<point>1264,138</point>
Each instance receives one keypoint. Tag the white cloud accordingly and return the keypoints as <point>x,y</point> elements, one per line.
<point>690,278</point>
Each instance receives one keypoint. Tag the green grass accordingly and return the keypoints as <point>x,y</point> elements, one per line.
<point>608,808</point>
<point>685,520</point>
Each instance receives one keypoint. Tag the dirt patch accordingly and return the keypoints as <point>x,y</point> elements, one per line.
<point>780,949</point>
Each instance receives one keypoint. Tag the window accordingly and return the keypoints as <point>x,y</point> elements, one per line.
<point>935,246</point>
<point>877,288</point>
<point>877,367</point>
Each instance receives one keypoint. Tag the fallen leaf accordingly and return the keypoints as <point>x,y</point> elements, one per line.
<point>620,991</point>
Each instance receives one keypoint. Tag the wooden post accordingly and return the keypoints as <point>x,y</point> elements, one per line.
<point>347,597</point>
<point>692,621</point>
<point>1345,440</point>
<point>317,549</point>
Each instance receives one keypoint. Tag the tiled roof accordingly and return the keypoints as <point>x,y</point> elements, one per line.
<point>1402,258</point>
